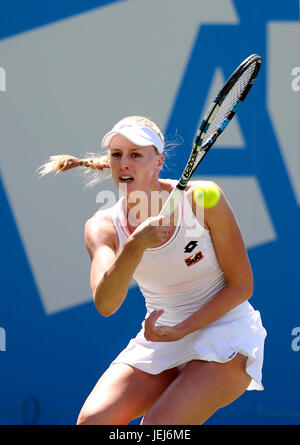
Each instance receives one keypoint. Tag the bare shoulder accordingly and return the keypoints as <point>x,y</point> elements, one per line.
<point>219,218</point>
<point>221,211</point>
<point>99,230</point>
<point>207,213</point>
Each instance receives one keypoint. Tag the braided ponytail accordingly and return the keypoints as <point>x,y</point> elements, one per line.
<point>98,166</point>
<point>61,163</point>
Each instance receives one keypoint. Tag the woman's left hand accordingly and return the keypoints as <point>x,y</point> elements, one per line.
<point>160,333</point>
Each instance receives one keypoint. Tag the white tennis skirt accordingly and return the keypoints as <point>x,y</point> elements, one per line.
<point>238,331</point>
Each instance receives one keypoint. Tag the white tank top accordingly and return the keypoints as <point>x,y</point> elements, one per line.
<point>180,275</point>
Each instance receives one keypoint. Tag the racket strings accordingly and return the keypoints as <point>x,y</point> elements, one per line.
<point>221,118</point>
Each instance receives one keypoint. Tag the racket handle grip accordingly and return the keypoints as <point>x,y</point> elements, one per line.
<point>172,201</point>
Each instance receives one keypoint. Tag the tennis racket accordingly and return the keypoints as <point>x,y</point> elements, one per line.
<point>216,119</point>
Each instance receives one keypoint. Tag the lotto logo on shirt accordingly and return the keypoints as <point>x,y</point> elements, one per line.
<point>190,261</point>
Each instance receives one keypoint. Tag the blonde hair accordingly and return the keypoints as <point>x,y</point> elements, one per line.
<point>61,163</point>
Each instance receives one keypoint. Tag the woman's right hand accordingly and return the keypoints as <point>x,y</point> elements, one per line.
<point>152,232</point>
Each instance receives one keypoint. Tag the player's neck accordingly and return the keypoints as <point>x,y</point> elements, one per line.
<point>140,205</point>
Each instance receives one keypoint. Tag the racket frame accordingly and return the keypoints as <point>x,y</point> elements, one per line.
<point>199,150</point>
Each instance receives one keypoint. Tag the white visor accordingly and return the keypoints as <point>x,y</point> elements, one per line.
<point>135,132</point>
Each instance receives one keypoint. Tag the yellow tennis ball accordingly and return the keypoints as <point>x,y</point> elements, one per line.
<point>206,195</point>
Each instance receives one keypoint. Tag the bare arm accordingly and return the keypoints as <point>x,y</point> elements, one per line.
<point>114,280</point>
<point>111,272</point>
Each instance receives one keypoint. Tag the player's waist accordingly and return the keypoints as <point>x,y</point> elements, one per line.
<point>171,317</point>
<point>187,292</point>
<point>178,307</point>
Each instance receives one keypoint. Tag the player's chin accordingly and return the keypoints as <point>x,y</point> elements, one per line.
<point>129,185</point>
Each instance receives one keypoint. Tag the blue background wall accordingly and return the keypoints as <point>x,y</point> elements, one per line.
<point>52,354</point>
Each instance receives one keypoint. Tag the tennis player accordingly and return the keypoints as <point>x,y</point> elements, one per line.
<point>201,344</point>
